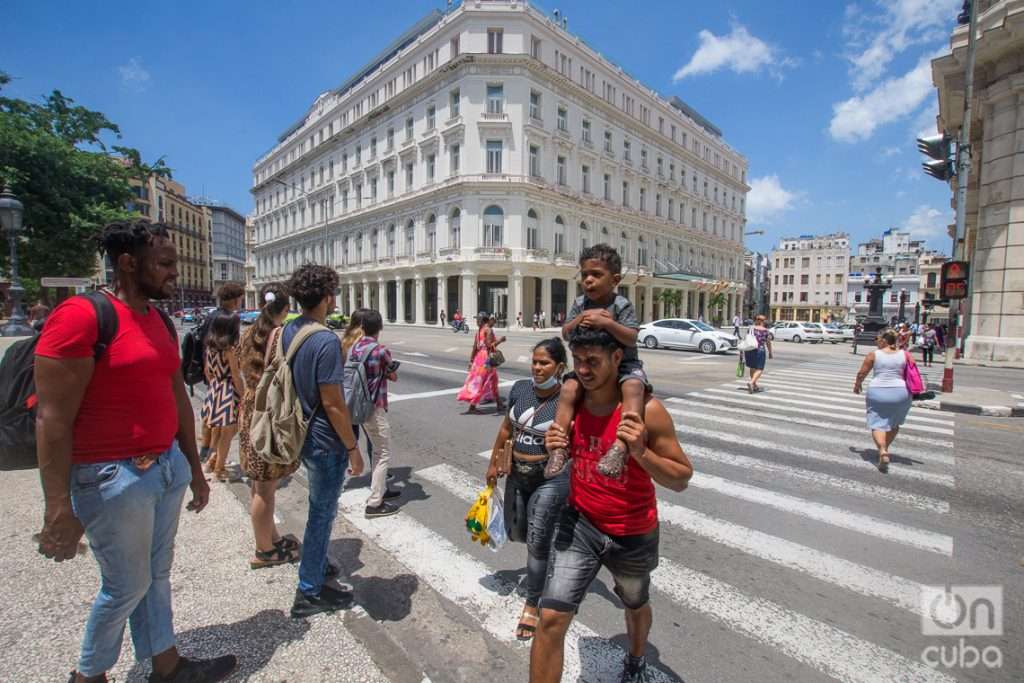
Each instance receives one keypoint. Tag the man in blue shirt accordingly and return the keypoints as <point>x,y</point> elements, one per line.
<point>330,447</point>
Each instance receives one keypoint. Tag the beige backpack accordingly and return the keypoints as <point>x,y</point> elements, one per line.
<point>277,429</point>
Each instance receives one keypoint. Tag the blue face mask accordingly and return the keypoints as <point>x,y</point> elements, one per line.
<point>549,383</point>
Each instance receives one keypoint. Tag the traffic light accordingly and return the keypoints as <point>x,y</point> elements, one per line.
<point>938,147</point>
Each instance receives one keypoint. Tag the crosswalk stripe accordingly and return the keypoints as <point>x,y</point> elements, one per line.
<point>473,586</point>
<point>902,593</point>
<point>817,478</point>
<point>854,521</point>
<point>736,439</point>
<point>690,402</point>
<point>807,640</point>
<point>762,403</point>
<point>779,396</point>
<point>392,397</point>
<point>845,396</point>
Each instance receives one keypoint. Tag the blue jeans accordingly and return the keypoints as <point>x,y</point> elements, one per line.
<point>130,518</point>
<point>326,474</point>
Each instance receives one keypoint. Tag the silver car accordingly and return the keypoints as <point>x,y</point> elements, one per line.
<point>685,333</point>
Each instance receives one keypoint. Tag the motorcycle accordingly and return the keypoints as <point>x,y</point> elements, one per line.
<point>458,325</point>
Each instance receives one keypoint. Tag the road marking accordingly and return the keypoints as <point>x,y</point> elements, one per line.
<point>451,348</point>
<point>691,360</point>
<point>854,521</point>
<point>392,397</point>
<point>414,353</point>
<point>734,439</point>
<point>826,426</point>
<point>850,486</point>
<point>902,593</point>
<point>766,405</point>
<point>777,394</point>
<point>475,588</point>
<point>397,343</point>
<point>523,359</point>
<point>807,640</point>
<point>435,367</point>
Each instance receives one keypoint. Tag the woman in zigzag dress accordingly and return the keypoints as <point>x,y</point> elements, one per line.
<point>220,408</point>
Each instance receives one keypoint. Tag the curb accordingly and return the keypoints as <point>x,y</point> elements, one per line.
<point>970,408</point>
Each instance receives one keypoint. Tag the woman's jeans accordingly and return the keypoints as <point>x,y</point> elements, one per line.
<point>541,500</point>
<point>325,473</point>
<point>130,517</point>
<point>927,354</point>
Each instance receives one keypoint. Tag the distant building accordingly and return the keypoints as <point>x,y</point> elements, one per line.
<point>929,270</point>
<point>896,256</point>
<point>227,236</point>
<point>994,241</point>
<point>250,265</point>
<point>757,275</point>
<point>808,277</point>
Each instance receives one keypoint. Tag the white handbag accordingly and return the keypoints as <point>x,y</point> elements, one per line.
<point>748,343</point>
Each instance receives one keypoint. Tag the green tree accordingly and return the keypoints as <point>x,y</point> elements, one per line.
<point>717,303</point>
<point>54,158</point>
<point>672,299</point>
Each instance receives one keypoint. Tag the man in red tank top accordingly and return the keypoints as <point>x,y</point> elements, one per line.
<point>607,522</point>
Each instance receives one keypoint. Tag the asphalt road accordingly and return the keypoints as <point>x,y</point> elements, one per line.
<point>790,557</point>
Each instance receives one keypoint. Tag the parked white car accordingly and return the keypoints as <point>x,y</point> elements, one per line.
<point>684,333</point>
<point>831,333</point>
<point>841,332</point>
<point>798,332</point>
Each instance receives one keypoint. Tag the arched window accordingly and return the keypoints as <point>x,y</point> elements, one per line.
<point>359,247</point>
<point>641,251</point>
<point>494,226</point>
<point>559,235</point>
<point>455,229</point>
<point>584,236</point>
<point>532,230</point>
<point>432,234</point>
<point>391,241</point>
<point>624,247</point>
<point>410,239</point>
<point>374,244</point>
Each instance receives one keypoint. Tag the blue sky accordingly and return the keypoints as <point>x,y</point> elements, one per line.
<point>823,98</point>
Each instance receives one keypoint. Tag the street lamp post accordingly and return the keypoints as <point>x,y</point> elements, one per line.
<point>11,211</point>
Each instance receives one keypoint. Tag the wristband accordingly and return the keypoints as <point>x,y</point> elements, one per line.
<point>351,448</point>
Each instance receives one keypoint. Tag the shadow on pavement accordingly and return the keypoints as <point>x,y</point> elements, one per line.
<point>253,640</point>
<point>10,462</point>
<point>384,599</point>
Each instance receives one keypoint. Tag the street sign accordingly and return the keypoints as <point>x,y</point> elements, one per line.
<point>953,282</point>
<point>65,282</point>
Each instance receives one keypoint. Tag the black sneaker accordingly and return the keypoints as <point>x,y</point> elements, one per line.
<point>634,670</point>
<point>199,670</point>
<point>382,510</point>
<point>329,600</point>
<point>390,477</point>
<point>391,494</point>
<point>71,679</point>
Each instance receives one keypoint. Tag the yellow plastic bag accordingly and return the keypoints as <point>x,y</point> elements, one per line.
<point>477,517</point>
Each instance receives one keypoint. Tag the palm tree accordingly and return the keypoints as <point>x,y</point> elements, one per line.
<point>716,303</point>
<point>672,298</point>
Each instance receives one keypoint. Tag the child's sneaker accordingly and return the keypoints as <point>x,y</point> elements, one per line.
<point>612,462</point>
<point>557,461</point>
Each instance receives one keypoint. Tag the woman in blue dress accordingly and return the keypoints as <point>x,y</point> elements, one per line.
<point>887,399</point>
<point>756,358</point>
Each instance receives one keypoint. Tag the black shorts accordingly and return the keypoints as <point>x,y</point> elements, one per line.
<point>579,550</point>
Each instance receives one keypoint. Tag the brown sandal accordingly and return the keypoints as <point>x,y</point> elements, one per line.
<point>272,558</point>
<point>524,630</point>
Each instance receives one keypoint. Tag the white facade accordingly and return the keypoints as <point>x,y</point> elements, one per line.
<point>808,277</point>
<point>896,256</point>
<point>470,166</point>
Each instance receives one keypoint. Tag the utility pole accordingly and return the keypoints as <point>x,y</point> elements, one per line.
<point>963,169</point>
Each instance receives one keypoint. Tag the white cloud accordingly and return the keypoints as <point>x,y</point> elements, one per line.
<point>896,98</point>
<point>767,199</point>
<point>878,34</point>
<point>134,75</point>
<point>927,223</point>
<point>890,151</point>
<point>739,51</point>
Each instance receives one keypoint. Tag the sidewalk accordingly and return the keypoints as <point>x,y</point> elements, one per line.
<point>220,605</point>
<point>976,401</point>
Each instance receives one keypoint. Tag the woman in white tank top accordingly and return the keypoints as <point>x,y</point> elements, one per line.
<point>887,400</point>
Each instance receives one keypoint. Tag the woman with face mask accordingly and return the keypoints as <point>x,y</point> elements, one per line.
<point>532,503</point>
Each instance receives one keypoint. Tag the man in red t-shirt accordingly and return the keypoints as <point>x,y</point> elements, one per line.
<point>117,450</point>
<point>607,522</point>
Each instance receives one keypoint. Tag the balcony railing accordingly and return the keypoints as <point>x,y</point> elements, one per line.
<point>449,251</point>
<point>498,252</point>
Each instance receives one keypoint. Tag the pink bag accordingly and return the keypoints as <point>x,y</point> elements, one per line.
<point>911,376</point>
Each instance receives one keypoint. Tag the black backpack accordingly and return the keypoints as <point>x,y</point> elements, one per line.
<point>192,348</point>
<point>18,387</point>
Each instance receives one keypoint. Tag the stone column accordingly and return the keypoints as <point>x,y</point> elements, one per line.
<point>366,295</point>
<point>351,297</point>
<point>545,299</point>
<point>399,301</point>
<point>469,295</point>
<point>418,306</point>
<point>515,297</point>
<point>382,297</point>
<point>442,296</point>
<point>648,304</point>
<point>684,304</point>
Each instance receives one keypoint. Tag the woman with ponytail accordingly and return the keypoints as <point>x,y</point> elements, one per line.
<point>258,345</point>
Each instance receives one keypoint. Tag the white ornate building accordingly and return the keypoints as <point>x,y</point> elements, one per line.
<point>468,164</point>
